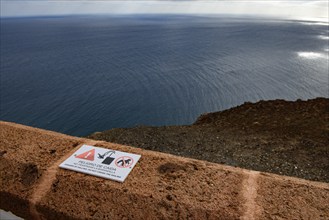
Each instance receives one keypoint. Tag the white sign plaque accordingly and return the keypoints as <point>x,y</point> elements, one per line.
<point>101,162</point>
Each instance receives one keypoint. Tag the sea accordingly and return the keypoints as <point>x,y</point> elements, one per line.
<point>82,74</point>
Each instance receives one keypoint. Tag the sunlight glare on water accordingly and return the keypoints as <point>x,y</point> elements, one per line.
<point>324,37</point>
<point>311,55</point>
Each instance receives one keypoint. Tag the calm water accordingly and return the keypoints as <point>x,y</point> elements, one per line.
<point>78,75</point>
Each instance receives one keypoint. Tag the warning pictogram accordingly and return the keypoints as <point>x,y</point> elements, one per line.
<point>124,162</point>
<point>108,160</point>
<point>89,155</point>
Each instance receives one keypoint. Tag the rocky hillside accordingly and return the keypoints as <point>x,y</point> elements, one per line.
<point>283,137</point>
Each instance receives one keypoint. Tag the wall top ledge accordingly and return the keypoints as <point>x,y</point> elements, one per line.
<point>161,186</point>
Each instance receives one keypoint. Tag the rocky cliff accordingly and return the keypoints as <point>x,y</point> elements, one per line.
<point>283,137</point>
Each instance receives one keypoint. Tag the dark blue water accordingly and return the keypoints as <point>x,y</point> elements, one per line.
<point>78,75</point>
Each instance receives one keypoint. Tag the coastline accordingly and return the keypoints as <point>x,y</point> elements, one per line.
<point>282,137</point>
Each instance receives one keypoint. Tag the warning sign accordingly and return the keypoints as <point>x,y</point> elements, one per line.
<point>101,162</point>
<point>89,155</point>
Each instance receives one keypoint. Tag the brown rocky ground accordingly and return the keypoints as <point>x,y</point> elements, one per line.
<point>282,137</point>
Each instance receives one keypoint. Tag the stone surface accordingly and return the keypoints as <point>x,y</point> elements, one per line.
<point>161,186</point>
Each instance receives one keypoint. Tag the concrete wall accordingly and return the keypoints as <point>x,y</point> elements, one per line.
<point>161,186</point>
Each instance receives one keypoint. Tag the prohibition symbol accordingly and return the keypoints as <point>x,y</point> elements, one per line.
<point>124,162</point>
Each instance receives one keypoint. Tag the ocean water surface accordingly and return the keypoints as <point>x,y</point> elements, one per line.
<point>83,74</point>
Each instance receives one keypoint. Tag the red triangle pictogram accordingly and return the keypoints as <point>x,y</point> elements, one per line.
<point>89,155</point>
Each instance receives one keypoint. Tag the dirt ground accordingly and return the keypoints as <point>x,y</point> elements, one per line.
<point>282,137</point>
